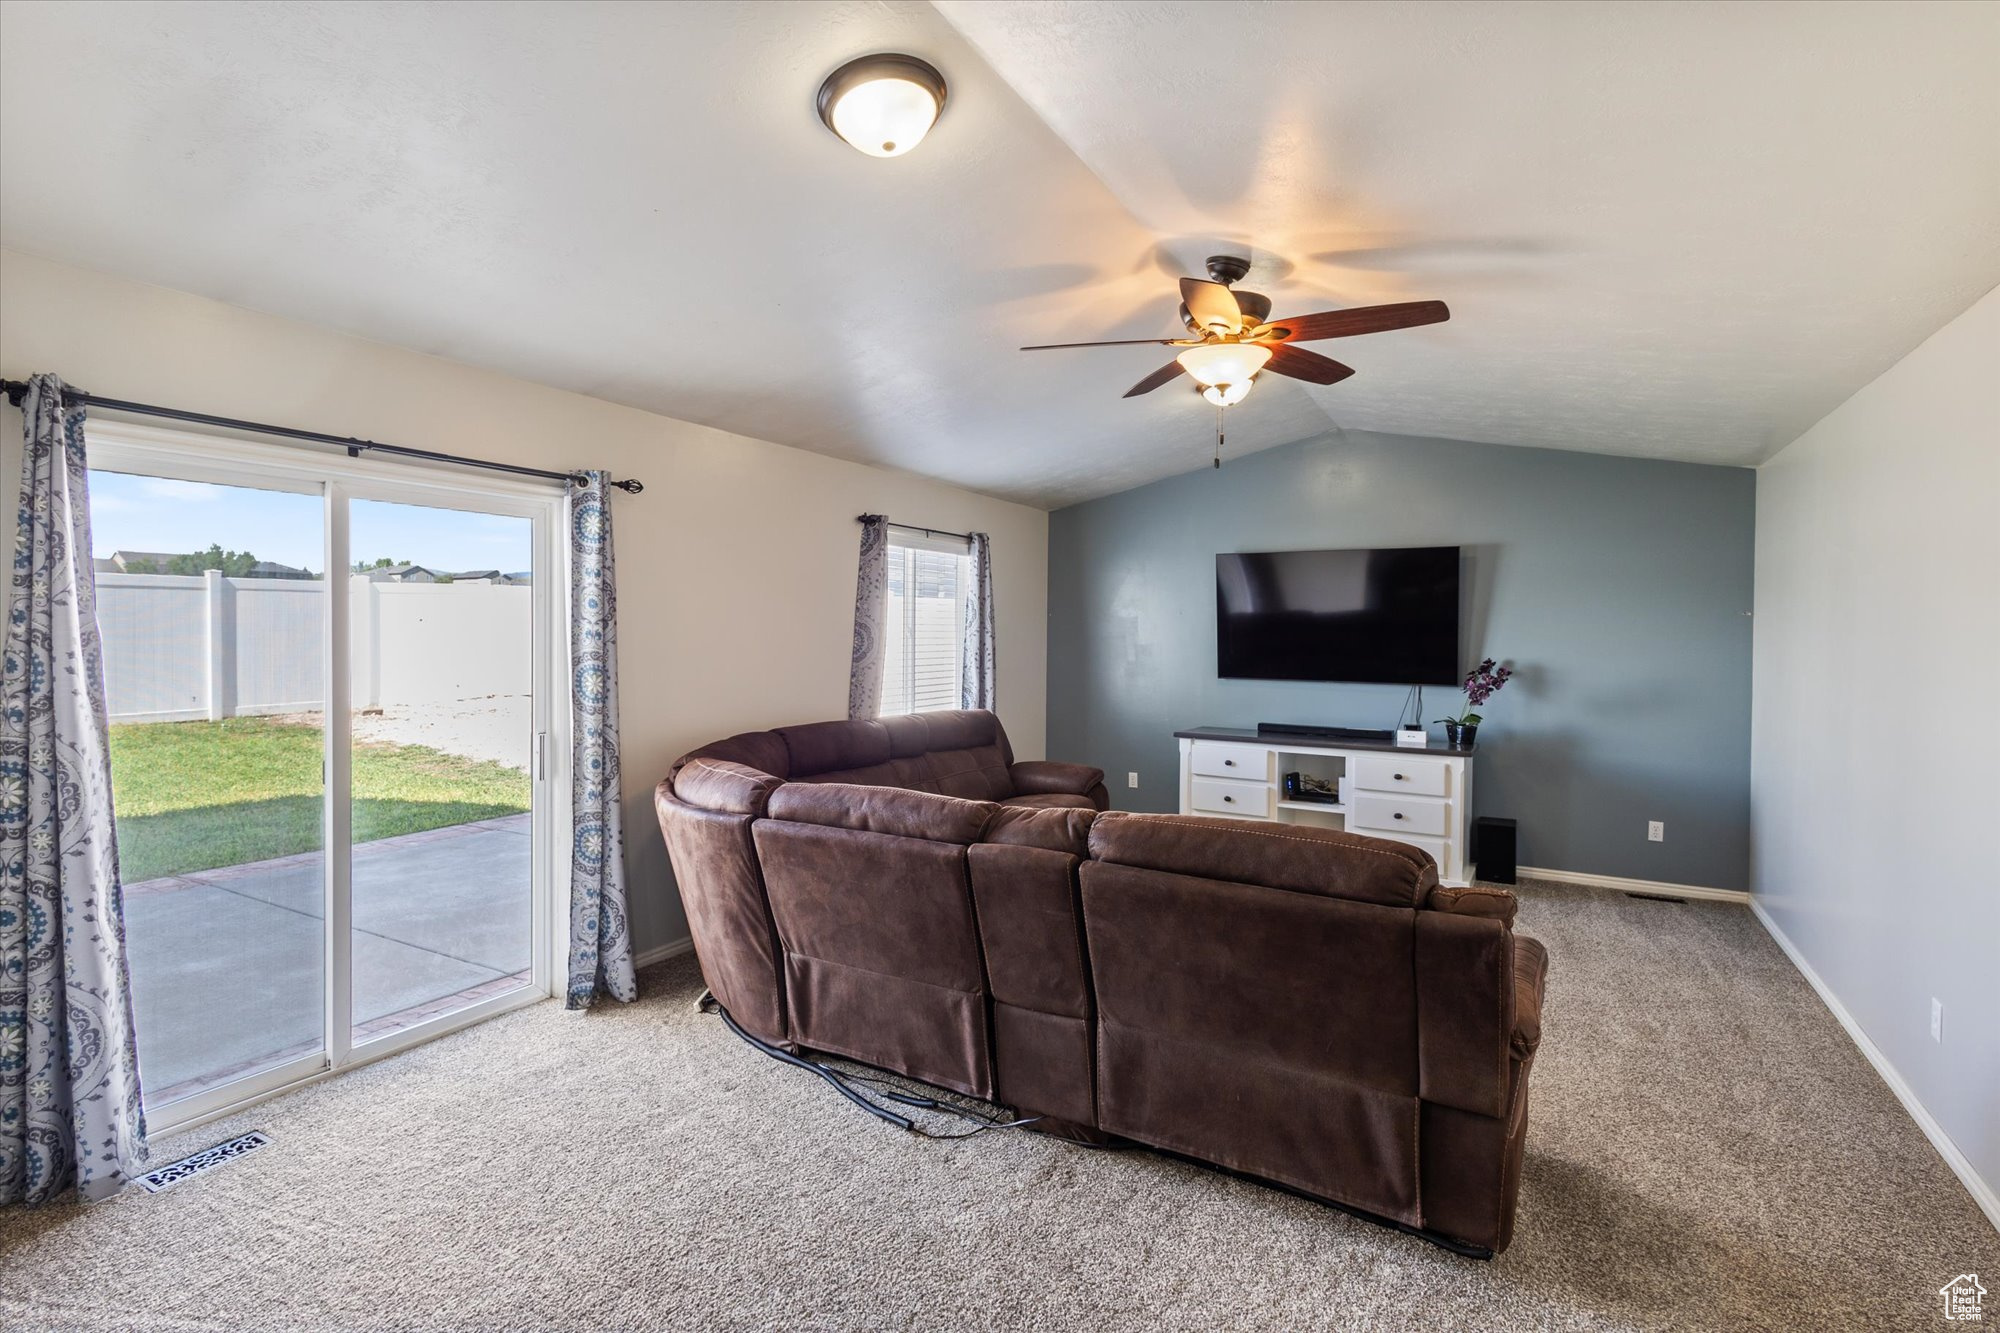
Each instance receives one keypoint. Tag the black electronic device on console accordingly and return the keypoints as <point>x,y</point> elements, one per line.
<point>1324,733</point>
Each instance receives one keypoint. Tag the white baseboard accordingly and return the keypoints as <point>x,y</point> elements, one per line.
<point>1624,885</point>
<point>660,953</point>
<point>1982,1193</point>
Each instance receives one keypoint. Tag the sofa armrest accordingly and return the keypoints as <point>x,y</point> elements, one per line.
<point>1531,974</point>
<point>730,789</point>
<point>1474,900</point>
<point>892,810</point>
<point>1042,777</point>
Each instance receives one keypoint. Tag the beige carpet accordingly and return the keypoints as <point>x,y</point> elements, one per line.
<point>1707,1151</point>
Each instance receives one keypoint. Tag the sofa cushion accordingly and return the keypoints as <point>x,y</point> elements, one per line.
<point>1056,829</point>
<point>1035,777</point>
<point>1337,865</point>
<point>905,814</point>
<point>1053,800</point>
<point>822,747</point>
<point>716,784</point>
<point>960,729</point>
<point>911,774</point>
<point>978,774</point>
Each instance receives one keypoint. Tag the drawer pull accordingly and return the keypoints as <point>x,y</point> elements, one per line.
<point>1231,800</point>
<point>1229,763</point>
<point>1401,778</point>
<point>1399,814</point>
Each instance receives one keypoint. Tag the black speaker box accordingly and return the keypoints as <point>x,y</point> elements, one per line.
<point>1493,849</point>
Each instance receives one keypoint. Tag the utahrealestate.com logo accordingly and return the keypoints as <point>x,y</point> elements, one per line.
<point>1962,1296</point>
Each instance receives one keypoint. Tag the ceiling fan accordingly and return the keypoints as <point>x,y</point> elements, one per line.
<point>1234,337</point>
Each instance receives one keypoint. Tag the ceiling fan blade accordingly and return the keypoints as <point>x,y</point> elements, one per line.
<point>1123,342</point>
<point>1212,305</point>
<point>1156,379</point>
<point>1311,367</point>
<point>1361,319</point>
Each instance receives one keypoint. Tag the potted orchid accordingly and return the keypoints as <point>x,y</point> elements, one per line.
<point>1481,684</point>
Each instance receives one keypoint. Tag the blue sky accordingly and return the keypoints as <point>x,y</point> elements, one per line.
<point>136,513</point>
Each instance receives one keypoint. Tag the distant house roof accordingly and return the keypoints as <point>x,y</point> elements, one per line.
<point>468,575</point>
<point>146,561</point>
<point>155,562</point>
<point>405,573</point>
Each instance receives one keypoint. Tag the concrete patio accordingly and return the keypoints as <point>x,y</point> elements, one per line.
<point>227,964</point>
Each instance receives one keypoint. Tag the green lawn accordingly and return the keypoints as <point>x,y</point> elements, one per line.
<point>196,795</point>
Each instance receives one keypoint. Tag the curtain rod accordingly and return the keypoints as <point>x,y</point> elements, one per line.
<point>17,390</point>
<point>911,527</point>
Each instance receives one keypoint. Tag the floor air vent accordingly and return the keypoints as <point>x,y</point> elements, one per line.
<point>205,1160</point>
<point>1657,898</point>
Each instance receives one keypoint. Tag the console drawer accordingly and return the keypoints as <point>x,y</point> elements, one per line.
<point>1218,759</point>
<point>1384,772</point>
<point>1439,849</point>
<point>1391,814</point>
<point>1251,800</point>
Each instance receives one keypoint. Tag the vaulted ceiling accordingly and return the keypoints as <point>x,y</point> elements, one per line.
<point>1674,231</point>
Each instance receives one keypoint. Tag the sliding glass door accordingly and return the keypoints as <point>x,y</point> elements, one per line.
<point>443,735</point>
<point>215,676</point>
<point>328,686</point>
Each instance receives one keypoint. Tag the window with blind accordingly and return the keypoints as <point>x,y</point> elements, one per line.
<point>928,577</point>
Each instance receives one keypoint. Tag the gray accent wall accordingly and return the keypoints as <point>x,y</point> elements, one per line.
<point>1620,589</point>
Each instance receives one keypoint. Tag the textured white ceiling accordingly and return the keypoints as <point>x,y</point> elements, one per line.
<point>1675,230</point>
<point>1678,231</point>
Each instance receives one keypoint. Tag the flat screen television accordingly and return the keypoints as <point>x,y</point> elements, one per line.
<point>1388,616</point>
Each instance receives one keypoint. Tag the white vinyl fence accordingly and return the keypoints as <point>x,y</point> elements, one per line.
<point>181,647</point>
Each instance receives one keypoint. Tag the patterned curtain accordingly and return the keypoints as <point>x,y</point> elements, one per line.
<point>975,652</point>
<point>600,942</point>
<point>871,608</point>
<point>70,1109</point>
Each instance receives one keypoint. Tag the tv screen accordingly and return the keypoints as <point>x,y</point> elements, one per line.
<point>1384,616</point>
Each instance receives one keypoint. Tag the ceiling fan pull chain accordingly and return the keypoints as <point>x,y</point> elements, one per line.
<point>1218,438</point>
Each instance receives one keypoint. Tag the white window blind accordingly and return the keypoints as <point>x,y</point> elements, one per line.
<point>928,576</point>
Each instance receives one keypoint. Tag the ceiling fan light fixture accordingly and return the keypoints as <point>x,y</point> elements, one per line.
<point>1224,365</point>
<point>1228,395</point>
<point>884,104</point>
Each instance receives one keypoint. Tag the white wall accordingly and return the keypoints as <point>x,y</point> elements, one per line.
<point>708,645</point>
<point>1873,810</point>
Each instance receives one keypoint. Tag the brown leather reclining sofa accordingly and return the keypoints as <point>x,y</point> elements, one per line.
<point>1301,1006</point>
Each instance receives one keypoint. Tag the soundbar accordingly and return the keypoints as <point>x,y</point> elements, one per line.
<point>1324,733</point>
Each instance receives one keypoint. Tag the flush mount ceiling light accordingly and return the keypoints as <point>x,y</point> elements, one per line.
<point>882,104</point>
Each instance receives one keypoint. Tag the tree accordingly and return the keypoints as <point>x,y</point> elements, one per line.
<point>363,566</point>
<point>233,564</point>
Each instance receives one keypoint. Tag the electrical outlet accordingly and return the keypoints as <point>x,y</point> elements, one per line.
<point>1656,831</point>
<point>1937,1019</point>
<point>1131,779</point>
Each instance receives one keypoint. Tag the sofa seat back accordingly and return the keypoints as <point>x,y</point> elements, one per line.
<point>871,896</point>
<point>963,753</point>
<point>1271,1030</point>
<point>1024,883</point>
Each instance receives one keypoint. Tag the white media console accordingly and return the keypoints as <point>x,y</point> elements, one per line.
<point>1422,797</point>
